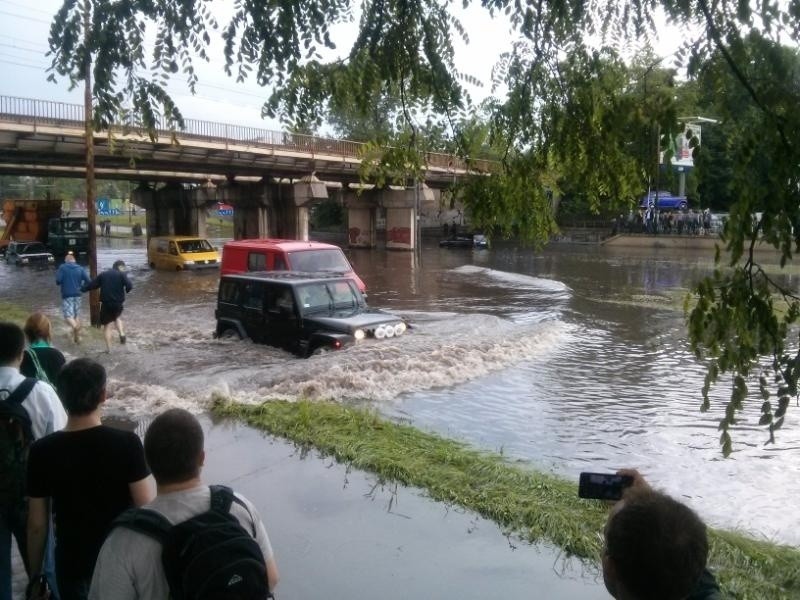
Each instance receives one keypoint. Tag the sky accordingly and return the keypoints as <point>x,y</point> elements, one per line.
<point>24,27</point>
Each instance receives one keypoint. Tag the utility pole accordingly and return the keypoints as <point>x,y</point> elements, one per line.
<point>91,207</point>
<point>658,161</point>
<point>417,228</point>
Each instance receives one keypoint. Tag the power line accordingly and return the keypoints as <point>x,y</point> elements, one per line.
<point>199,97</point>
<point>27,7</point>
<point>17,64</point>
<point>200,84</point>
<point>35,44</point>
<point>26,17</point>
<point>39,52</point>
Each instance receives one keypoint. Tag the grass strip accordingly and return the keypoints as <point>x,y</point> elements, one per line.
<point>19,314</point>
<point>535,506</point>
<point>14,313</point>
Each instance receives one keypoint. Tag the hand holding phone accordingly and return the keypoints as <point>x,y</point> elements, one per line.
<point>603,486</point>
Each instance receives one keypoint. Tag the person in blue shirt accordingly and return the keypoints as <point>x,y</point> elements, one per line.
<point>113,284</point>
<point>71,277</point>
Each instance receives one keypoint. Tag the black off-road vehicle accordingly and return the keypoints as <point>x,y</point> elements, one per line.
<point>301,312</point>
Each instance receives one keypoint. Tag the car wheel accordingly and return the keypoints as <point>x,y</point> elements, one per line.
<point>178,268</point>
<point>229,333</point>
<point>152,265</point>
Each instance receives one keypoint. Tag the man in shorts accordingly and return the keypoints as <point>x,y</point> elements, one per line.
<point>71,277</point>
<point>113,284</point>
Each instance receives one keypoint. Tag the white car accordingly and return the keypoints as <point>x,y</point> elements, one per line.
<point>28,253</point>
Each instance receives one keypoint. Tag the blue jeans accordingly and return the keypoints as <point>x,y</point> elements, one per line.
<point>11,523</point>
<point>16,524</point>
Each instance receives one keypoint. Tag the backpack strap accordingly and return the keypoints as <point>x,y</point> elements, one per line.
<point>221,499</point>
<point>22,391</point>
<point>40,372</point>
<point>146,521</point>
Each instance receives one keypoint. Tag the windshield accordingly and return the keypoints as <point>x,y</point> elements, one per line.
<point>34,248</point>
<point>324,296</point>
<point>75,225</point>
<point>326,259</point>
<point>189,246</point>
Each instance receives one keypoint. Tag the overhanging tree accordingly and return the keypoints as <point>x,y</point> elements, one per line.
<point>563,119</point>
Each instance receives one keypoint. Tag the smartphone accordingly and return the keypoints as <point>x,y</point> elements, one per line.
<point>603,486</point>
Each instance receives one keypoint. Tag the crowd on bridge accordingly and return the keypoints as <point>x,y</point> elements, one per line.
<point>653,221</point>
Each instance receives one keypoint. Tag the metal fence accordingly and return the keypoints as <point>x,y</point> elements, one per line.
<point>46,112</point>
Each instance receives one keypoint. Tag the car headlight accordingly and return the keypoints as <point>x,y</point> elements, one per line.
<point>188,262</point>
<point>50,259</point>
<point>400,329</point>
<point>359,334</point>
<point>23,260</point>
<point>380,332</point>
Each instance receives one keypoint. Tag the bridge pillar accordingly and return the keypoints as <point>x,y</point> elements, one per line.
<point>307,191</point>
<point>252,208</point>
<point>361,219</point>
<point>401,217</point>
<point>174,209</point>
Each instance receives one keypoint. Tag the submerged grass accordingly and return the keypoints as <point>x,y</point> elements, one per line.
<point>535,506</point>
<point>13,312</point>
<point>18,314</point>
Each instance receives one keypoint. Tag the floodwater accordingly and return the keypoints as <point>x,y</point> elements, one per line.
<point>573,358</point>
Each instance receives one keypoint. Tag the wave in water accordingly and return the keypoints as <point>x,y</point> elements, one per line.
<point>436,353</point>
<point>517,280</point>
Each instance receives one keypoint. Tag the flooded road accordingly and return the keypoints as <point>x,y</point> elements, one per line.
<point>574,358</point>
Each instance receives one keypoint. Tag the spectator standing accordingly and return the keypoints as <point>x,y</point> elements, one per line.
<point>43,408</point>
<point>655,548</point>
<point>41,360</point>
<point>130,563</point>
<point>90,472</point>
<point>71,277</point>
<point>113,284</point>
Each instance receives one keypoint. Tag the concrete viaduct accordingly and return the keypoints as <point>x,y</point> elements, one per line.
<point>270,178</point>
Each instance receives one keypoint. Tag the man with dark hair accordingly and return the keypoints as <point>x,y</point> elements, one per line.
<point>90,472</point>
<point>130,563</point>
<point>113,284</point>
<point>655,548</point>
<point>42,408</point>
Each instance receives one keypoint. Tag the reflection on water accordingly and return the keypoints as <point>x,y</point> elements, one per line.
<point>574,358</point>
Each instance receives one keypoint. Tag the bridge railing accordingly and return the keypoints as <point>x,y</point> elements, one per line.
<point>28,110</point>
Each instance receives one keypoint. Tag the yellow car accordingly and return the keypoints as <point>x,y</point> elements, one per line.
<point>177,253</point>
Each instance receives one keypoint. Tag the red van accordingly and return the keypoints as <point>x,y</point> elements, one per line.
<point>241,256</point>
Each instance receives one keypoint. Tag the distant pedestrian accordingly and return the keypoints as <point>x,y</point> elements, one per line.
<point>89,472</point>
<point>41,360</point>
<point>113,284</point>
<point>71,277</point>
<point>107,224</point>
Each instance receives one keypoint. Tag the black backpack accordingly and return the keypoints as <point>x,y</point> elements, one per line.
<point>210,556</point>
<point>16,437</point>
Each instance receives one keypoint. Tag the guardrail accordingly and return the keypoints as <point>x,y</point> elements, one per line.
<point>28,110</point>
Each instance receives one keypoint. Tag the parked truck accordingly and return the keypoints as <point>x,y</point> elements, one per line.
<point>42,221</point>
